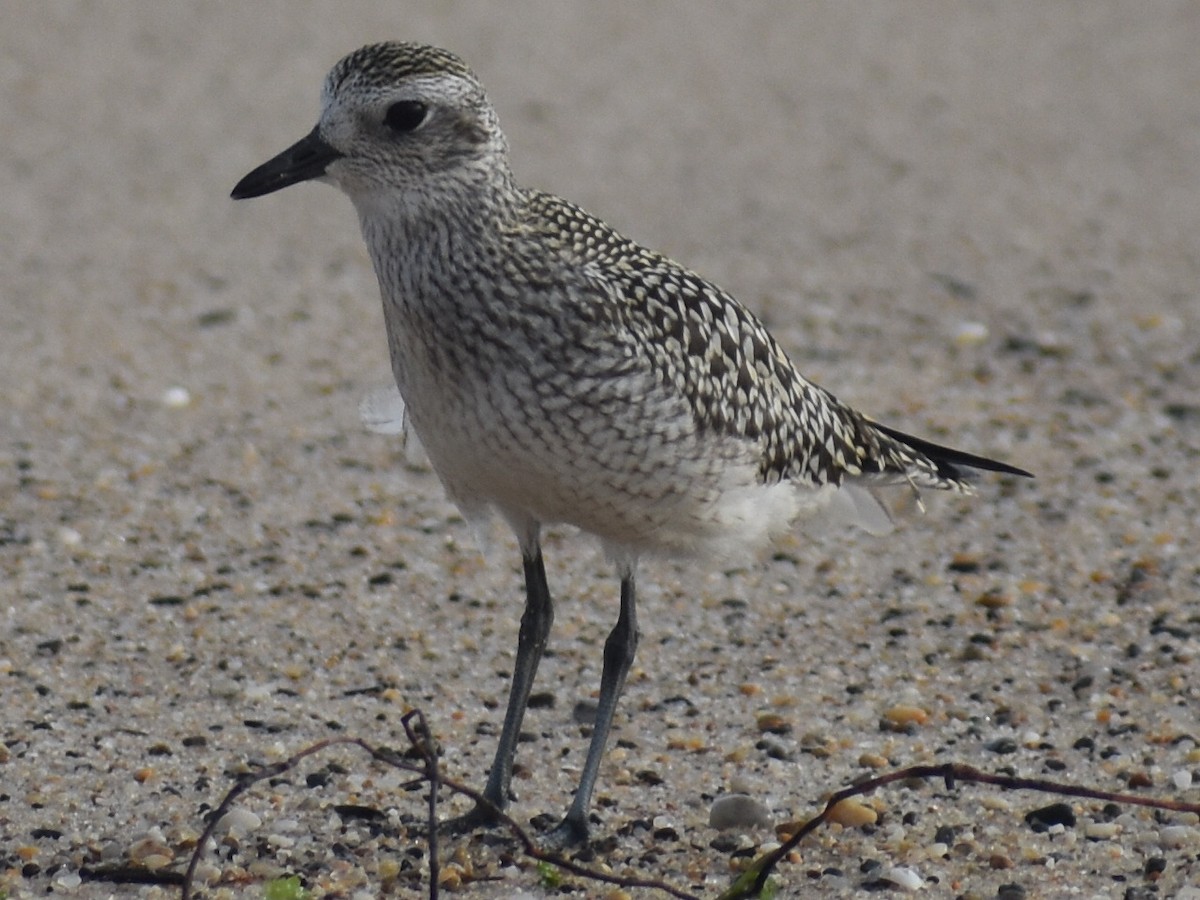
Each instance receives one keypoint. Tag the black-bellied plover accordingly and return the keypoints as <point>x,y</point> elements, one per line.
<point>557,372</point>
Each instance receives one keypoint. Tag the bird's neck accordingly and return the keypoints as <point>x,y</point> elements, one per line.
<point>435,254</point>
<point>421,231</point>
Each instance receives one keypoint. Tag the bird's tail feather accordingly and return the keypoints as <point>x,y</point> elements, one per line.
<point>950,463</point>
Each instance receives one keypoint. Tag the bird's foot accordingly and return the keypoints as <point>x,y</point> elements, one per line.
<point>569,832</point>
<point>482,815</point>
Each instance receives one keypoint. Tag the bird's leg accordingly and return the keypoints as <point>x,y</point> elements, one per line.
<point>619,650</point>
<point>531,642</point>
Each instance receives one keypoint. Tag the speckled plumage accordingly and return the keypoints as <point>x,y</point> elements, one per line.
<point>719,356</point>
<point>556,371</point>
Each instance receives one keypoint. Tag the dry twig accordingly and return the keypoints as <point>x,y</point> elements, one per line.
<point>749,884</point>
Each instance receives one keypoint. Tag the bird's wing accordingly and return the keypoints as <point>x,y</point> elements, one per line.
<point>734,376</point>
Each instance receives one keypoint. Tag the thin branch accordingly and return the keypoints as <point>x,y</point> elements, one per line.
<point>424,744</point>
<point>387,757</point>
<point>751,882</point>
<point>243,784</point>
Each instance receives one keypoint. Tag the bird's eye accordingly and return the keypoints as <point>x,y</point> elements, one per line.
<point>405,115</point>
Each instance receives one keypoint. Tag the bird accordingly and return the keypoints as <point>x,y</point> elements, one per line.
<point>557,372</point>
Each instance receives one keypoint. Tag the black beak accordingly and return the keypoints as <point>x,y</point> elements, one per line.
<point>304,160</point>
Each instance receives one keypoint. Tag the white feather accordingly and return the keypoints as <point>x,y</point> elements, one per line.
<point>383,411</point>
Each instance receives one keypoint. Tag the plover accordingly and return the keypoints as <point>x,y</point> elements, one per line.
<point>557,372</point>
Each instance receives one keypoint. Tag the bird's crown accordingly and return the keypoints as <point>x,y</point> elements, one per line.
<point>383,65</point>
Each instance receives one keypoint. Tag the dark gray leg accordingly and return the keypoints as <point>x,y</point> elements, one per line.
<point>618,657</point>
<point>531,642</point>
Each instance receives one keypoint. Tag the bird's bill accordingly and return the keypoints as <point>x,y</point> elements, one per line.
<point>304,160</point>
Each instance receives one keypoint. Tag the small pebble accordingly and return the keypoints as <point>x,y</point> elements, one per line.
<point>725,843</point>
<point>1101,831</point>
<point>151,853</point>
<point>1175,837</point>
<point>738,784</point>
<point>773,723</point>
<point>906,715</point>
<point>67,880</point>
<point>993,599</point>
<point>775,750</point>
<point>584,712</point>
<point>664,829</point>
<point>239,822</point>
<point>69,537</point>
<point>1182,779</point>
<point>853,813</point>
<point>738,811</point>
<point>1044,818</point>
<point>965,562</point>
<point>176,398</point>
<point>902,877</point>
<point>1154,867</point>
<point>995,803</point>
<point>945,834</point>
<point>970,334</point>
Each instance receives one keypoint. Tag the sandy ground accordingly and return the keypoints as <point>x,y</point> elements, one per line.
<point>978,222</point>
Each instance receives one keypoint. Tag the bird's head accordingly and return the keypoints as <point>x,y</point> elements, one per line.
<point>400,122</point>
